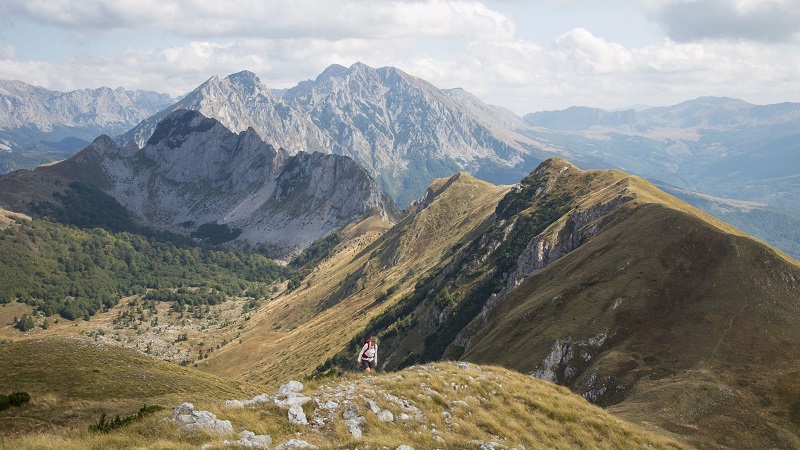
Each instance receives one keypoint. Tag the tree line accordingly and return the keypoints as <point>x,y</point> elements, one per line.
<point>76,272</point>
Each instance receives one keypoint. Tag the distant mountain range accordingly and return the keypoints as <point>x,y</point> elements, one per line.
<point>406,132</point>
<point>718,146</point>
<point>38,125</point>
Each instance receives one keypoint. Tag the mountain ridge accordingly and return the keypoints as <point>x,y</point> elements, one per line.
<point>404,130</point>
<point>39,126</point>
<point>195,176</point>
<point>563,287</point>
<point>407,132</point>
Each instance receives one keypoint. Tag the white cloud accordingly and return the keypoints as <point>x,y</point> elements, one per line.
<point>580,50</point>
<point>449,43</point>
<point>327,19</point>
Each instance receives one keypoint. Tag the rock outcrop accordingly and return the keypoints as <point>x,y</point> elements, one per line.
<point>187,417</point>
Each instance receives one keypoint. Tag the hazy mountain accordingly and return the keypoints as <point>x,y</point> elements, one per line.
<point>194,176</point>
<point>717,146</point>
<point>584,118</point>
<point>41,121</point>
<point>720,147</point>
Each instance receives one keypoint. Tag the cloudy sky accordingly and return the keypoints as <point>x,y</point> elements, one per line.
<point>527,55</point>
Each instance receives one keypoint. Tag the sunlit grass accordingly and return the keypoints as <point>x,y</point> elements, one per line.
<point>461,408</point>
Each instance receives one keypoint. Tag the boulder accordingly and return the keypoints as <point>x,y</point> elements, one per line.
<point>351,411</point>
<point>250,440</point>
<point>294,443</point>
<point>292,399</point>
<point>292,386</point>
<point>297,416</point>
<point>354,425</point>
<point>372,406</point>
<point>386,416</point>
<point>188,418</point>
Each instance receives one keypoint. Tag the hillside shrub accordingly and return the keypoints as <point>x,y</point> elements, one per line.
<point>104,426</point>
<point>24,324</point>
<point>317,252</point>
<point>14,399</point>
<point>794,413</point>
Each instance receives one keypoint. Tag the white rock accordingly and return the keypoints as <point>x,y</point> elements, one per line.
<point>234,404</point>
<point>463,365</point>
<point>386,416</point>
<point>351,411</point>
<point>292,386</point>
<point>354,426</point>
<point>204,420</point>
<point>294,443</point>
<point>297,416</point>
<point>404,447</point>
<point>330,404</point>
<point>372,406</point>
<point>250,440</point>
<point>184,408</point>
<point>292,399</point>
<point>258,399</point>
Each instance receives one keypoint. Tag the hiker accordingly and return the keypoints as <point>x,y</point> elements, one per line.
<point>368,357</point>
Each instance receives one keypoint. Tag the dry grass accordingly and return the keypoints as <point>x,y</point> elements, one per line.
<point>294,333</point>
<point>460,407</point>
<point>72,381</point>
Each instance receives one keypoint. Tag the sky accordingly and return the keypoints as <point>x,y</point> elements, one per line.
<point>525,55</point>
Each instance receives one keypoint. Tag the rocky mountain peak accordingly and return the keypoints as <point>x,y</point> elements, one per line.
<point>333,71</point>
<point>178,126</point>
<point>403,130</point>
<point>196,177</point>
<point>244,77</point>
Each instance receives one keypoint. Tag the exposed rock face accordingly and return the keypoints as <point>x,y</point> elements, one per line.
<point>189,418</point>
<point>567,358</point>
<point>240,101</point>
<point>565,237</point>
<point>405,131</point>
<point>194,176</point>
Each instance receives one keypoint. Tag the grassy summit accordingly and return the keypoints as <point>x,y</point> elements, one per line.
<point>446,406</point>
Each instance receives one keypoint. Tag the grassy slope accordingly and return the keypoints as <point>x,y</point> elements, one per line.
<point>461,407</point>
<point>680,294</point>
<point>696,312</point>
<point>291,335</point>
<point>71,381</point>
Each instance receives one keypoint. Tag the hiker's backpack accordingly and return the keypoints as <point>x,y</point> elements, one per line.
<point>371,347</point>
